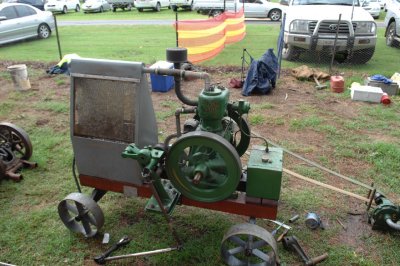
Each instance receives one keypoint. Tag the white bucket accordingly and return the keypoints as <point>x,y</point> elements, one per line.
<point>19,75</point>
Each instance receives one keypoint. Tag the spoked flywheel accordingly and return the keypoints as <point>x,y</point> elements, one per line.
<point>81,214</point>
<point>203,166</point>
<point>249,244</point>
<point>16,140</point>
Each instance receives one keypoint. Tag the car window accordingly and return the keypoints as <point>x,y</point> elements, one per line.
<point>24,11</point>
<point>8,12</point>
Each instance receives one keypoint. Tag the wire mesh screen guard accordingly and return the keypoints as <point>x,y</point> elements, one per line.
<point>111,107</point>
<point>105,109</point>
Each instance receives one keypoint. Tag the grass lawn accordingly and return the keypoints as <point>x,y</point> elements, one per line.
<point>356,139</point>
<point>164,14</point>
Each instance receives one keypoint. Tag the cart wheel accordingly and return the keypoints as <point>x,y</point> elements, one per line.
<point>81,214</point>
<point>249,244</point>
<point>17,139</point>
<point>203,166</point>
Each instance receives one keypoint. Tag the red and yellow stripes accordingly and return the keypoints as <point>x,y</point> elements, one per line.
<point>206,38</point>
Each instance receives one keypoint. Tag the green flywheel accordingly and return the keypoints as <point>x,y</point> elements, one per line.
<point>203,166</point>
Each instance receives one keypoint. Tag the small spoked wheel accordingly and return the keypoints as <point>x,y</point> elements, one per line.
<point>249,244</point>
<point>81,214</point>
<point>15,139</point>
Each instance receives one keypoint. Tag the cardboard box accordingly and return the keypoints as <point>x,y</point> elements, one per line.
<point>366,94</point>
<point>390,89</point>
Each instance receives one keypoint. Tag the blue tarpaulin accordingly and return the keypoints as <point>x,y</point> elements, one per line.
<point>262,74</point>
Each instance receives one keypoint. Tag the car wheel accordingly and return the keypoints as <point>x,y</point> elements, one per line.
<point>140,9</point>
<point>391,34</point>
<point>362,56</point>
<point>44,31</point>
<point>275,14</point>
<point>77,8</point>
<point>65,10</point>
<point>174,8</point>
<point>289,52</point>
<point>158,7</point>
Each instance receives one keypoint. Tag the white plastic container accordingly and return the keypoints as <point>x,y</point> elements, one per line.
<point>366,94</point>
<point>19,76</point>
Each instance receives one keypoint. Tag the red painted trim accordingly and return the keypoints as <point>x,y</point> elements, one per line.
<point>234,206</point>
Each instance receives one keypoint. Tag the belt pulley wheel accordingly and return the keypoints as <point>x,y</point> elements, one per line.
<point>249,244</point>
<point>81,214</point>
<point>15,139</point>
<point>203,166</point>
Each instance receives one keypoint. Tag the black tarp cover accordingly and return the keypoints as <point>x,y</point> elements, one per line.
<point>262,74</point>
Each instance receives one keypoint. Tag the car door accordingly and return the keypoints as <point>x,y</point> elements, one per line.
<point>254,8</point>
<point>27,19</point>
<point>10,29</point>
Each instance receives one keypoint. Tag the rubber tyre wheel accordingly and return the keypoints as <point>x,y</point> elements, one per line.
<point>44,31</point>
<point>158,7</point>
<point>390,35</point>
<point>140,9</point>
<point>289,53</point>
<point>65,10</point>
<point>362,56</point>
<point>77,8</point>
<point>275,15</point>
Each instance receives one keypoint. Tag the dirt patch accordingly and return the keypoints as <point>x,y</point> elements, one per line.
<point>290,100</point>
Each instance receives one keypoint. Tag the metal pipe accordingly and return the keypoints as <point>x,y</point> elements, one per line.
<point>392,225</point>
<point>180,74</point>
<point>145,253</point>
<point>178,113</point>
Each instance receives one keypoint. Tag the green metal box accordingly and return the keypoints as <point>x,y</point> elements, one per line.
<point>264,173</point>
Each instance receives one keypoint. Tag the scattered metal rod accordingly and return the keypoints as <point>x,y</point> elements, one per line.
<point>316,164</point>
<point>344,227</point>
<point>279,223</point>
<point>294,218</point>
<point>145,253</point>
<point>6,264</point>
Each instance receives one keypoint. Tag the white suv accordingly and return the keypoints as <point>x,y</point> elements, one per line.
<point>311,26</point>
<point>62,6</point>
<point>392,24</point>
<point>156,5</point>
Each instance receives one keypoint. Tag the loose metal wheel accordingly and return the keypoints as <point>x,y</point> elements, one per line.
<point>248,244</point>
<point>81,214</point>
<point>16,139</point>
<point>203,166</point>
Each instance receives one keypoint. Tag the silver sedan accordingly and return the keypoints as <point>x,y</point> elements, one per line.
<point>20,21</point>
<point>96,6</point>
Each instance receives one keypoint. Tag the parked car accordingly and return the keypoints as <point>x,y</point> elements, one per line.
<point>39,4</point>
<point>184,4</point>
<point>123,4</point>
<point>373,7</point>
<point>311,27</point>
<point>252,8</point>
<point>62,6</point>
<point>21,21</point>
<point>156,5</point>
<point>392,24</point>
<point>96,6</point>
